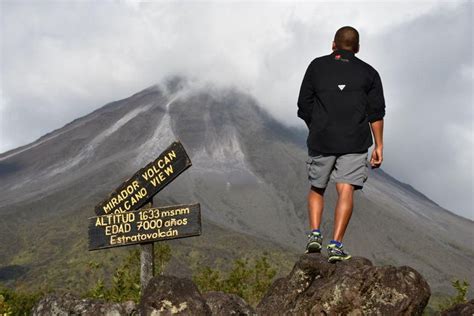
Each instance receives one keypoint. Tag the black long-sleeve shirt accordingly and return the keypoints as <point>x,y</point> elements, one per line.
<point>339,96</point>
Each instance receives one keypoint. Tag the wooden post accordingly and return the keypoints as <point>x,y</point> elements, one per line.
<point>147,261</point>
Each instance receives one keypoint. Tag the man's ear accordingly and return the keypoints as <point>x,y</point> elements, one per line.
<point>334,45</point>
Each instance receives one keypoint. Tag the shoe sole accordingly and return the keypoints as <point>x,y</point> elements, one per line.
<point>314,247</point>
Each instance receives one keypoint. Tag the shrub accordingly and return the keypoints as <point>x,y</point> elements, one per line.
<point>247,281</point>
<point>17,303</point>
<point>125,283</point>
<point>461,288</point>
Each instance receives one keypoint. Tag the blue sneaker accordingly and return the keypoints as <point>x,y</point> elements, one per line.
<point>336,253</point>
<point>315,242</point>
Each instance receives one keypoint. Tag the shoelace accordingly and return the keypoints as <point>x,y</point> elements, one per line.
<point>315,237</point>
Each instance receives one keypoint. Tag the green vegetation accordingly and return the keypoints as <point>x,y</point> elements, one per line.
<point>17,303</point>
<point>461,288</point>
<point>248,281</point>
<point>50,256</point>
<point>440,302</point>
<point>61,262</point>
<point>125,283</point>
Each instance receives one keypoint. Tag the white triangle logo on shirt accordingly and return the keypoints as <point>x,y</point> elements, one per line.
<point>341,86</point>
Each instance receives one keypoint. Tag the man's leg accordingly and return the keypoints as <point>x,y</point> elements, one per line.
<point>342,215</point>
<point>315,206</point>
<point>350,173</point>
<point>343,210</point>
<point>319,169</point>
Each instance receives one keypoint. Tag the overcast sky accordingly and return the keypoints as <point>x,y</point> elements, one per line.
<point>63,59</point>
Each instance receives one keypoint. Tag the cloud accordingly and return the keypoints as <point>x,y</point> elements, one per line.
<point>61,60</point>
<point>428,82</point>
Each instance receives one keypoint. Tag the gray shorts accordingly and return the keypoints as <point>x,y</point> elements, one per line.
<point>348,168</point>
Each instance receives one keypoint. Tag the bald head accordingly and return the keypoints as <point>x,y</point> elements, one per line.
<point>347,37</point>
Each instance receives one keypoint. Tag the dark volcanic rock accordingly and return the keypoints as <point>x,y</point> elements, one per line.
<point>355,287</point>
<point>222,304</point>
<point>68,304</point>
<point>460,309</point>
<point>166,295</point>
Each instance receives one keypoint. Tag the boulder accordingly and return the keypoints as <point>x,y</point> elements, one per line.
<point>352,287</point>
<point>222,304</point>
<point>68,304</point>
<point>166,295</point>
<point>461,309</point>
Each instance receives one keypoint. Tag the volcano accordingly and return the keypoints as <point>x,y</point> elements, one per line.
<point>248,173</point>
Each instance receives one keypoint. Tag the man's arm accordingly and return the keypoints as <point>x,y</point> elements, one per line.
<point>306,97</point>
<point>375,115</point>
<point>377,130</point>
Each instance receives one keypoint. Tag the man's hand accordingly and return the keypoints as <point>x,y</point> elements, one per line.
<point>377,157</point>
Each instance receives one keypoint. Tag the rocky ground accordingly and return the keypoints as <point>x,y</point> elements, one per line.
<point>313,287</point>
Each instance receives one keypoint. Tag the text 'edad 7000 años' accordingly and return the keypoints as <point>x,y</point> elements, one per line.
<point>144,225</point>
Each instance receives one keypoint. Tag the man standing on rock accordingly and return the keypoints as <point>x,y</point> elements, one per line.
<point>339,96</point>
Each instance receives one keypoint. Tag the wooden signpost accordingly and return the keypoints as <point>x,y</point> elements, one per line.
<point>146,182</point>
<point>121,220</point>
